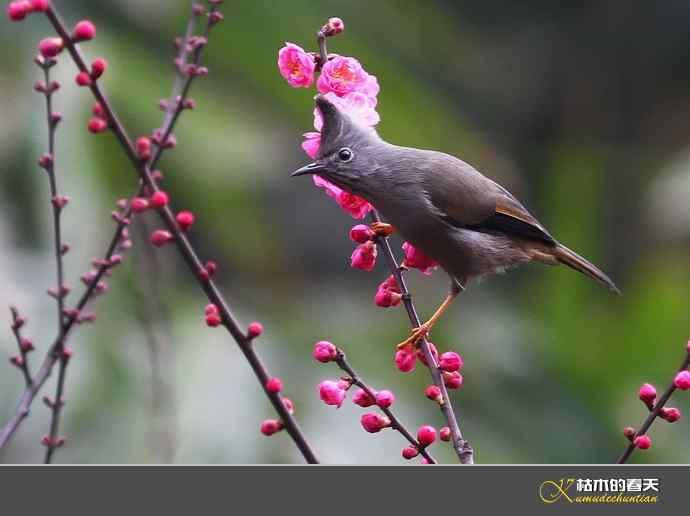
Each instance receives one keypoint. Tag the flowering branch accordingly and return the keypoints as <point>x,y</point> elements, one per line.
<point>139,157</point>
<point>24,344</point>
<point>657,408</point>
<point>460,444</point>
<point>395,423</point>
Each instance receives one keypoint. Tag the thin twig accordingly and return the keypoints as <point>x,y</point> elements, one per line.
<point>462,446</point>
<point>654,413</point>
<point>396,424</point>
<point>185,248</point>
<point>22,360</point>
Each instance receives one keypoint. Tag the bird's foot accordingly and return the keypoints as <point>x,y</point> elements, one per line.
<point>382,229</point>
<point>417,334</point>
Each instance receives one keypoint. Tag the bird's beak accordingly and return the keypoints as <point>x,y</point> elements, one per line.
<point>312,168</point>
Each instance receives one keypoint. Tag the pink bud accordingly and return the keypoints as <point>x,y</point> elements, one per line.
<point>387,298</point>
<point>670,414</point>
<point>211,309</point>
<point>98,67</point>
<point>432,350</point>
<point>17,11</point>
<point>682,380</point>
<point>159,199</point>
<point>385,399</point>
<point>255,329</point>
<point>629,433</point>
<point>50,47</point>
<point>331,393</point>
<point>185,219</point>
<point>17,361</point>
<point>452,380</point>
<point>287,403</point>
<point>160,237</point>
<point>445,434</point>
<point>410,452</point>
<point>647,394</point>
<point>84,31</point>
<point>211,267</point>
<point>450,361</point>
<point>27,345</point>
<point>364,257</point>
<point>274,385</point>
<point>643,442</point>
<point>98,110</point>
<point>345,383</point>
<point>361,398</point>
<point>335,25</point>
<point>39,6</point>
<point>361,234</point>
<point>271,426</point>
<point>434,393</point>
<point>97,125</point>
<point>405,360</point>
<point>374,423</point>
<point>83,79</point>
<point>139,204</point>
<point>213,320</point>
<point>143,146</point>
<point>324,351</point>
<point>426,435</point>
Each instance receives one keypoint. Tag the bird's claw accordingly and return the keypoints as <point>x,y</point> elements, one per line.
<point>382,229</point>
<point>417,334</point>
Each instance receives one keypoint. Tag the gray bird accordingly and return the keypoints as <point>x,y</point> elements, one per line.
<point>469,224</point>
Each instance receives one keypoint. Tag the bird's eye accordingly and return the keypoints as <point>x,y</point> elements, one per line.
<point>345,155</point>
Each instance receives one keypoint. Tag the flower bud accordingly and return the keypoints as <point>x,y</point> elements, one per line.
<point>50,47</point>
<point>629,433</point>
<point>405,359</point>
<point>159,199</point>
<point>426,435</point>
<point>361,398</point>
<point>274,385</point>
<point>324,351</point>
<point>213,320</point>
<point>39,6</point>
<point>434,393</point>
<point>139,204</point>
<point>83,79</point>
<point>97,125</point>
<point>450,361</point>
<point>185,219</point>
<point>374,423</point>
<point>361,234</point>
<point>445,434</point>
<point>364,257</point>
<point>410,452</point>
<point>254,330</point>
<point>643,442</point>
<point>452,380</point>
<point>160,237</point>
<point>143,147</point>
<point>331,393</point>
<point>670,414</point>
<point>271,426</point>
<point>647,394</point>
<point>17,11</point>
<point>385,399</point>
<point>682,380</point>
<point>84,31</point>
<point>98,67</point>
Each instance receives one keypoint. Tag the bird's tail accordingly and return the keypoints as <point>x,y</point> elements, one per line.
<point>577,262</point>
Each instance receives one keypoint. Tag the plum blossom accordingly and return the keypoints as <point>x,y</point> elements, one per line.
<point>364,256</point>
<point>296,66</point>
<point>342,75</point>
<point>331,393</point>
<point>355,206</point>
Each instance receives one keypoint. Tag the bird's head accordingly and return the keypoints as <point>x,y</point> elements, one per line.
<point>347,150</point>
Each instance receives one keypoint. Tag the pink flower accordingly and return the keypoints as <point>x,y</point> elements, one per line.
<point>682,380</point>
<point>385,399</point>
<point>311,144</point>
<point>405,359</point>
<point>452,380</point>
<point>426,435</point>
<point>647,394</point>
<point>355,206</point>
<point>359,107</point>
<point>388,294</point>
<point>296,66</point>
<point>643,442</point>
<point>361,233</point>
<point>450,361</point>
<point>324,351</point>
<point>331,393</point>
<point>670,414</point>
<point>342,75</point>
<point>361,398</point>
<point>374,423</point>
<point>364,256</point>
<point>415,259</point>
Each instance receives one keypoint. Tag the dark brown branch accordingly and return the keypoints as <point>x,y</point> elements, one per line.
<point>460,444</point>
<point>396,424</point>
<point>654,413</point>
<point>185,248</point>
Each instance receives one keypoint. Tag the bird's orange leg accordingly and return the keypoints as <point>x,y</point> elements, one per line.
<point>424,329</point>
<point>382,229</point>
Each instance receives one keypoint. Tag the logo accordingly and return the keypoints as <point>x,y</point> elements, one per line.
<point>600,491</point>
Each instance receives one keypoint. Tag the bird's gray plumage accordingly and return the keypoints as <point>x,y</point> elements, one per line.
<point>468,223</point>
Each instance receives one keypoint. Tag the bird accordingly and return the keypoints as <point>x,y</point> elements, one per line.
<point>469,224</point>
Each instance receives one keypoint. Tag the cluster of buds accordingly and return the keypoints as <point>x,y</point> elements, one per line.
<point>99,122</point>
<point>212,315</point>
<point>17,11</point>
<point>272,426</point>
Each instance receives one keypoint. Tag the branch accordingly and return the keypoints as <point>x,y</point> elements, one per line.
<point>25,346</point>
<point>654,412</point>
<point>184,246</point>
<point>396,424</point>
<point>460,444</point>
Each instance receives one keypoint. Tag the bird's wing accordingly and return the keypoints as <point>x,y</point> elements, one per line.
<point>465,198</point>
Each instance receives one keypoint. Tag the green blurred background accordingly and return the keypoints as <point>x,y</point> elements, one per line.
<point>580,109</point>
